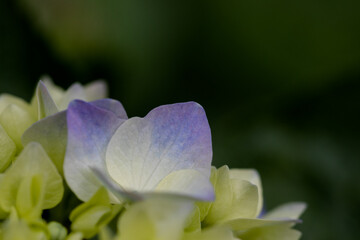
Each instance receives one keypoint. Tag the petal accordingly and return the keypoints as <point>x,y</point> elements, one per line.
<point>46,104</point>
<point>7,150</point>
<point>92,215</point>
<point>214,233</point>
<point>7,99</point>
<point>223,193</point>
<point>287,211</point>
<point>111,105</point>
<point>235,198</point>
<point>15,121</point>
<point>252,176</point>
<point>188,182</point>
<point>245,200</point>
<point>51,133</point>
<point>245,224</point>
<point>55,91</point>
<point>96,90</point>
<point>143,151</point>
<point>89,131</point>
<point>278,232</point>
<point>32,161</point>
<point>157,218</point>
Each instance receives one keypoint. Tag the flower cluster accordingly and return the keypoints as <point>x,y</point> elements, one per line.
<point>137,178</point>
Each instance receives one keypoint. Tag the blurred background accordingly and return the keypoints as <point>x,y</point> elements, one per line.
<point>279,81</point>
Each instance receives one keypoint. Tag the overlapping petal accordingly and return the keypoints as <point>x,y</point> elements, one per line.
<point>89,131</point>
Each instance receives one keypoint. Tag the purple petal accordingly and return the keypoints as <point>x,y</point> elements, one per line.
<point>89,131</point>
<point>142,152</point>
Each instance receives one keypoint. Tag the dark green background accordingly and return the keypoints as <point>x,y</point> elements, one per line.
<point>278,79</point>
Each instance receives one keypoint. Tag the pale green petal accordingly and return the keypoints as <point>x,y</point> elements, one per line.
<point>45,102</point>
<point>32,161</point>
<point>187,182</point>
<point>105,233</point>
<point>55,91</point>
<point>90,216</point>
<point>75,236</point>
<point>252,176</point>
<point>57,231</point>
<point>287,211</point>
<point>193,222</point>
<point>51,133</point>
<point>7,99</point>
<point>155,219</point>
<point>7,149</point>
<point>204,207</point>
<point>235,198</point>
<point>245,224</point>
<point>30,196</point>
<point>18,229</point>
<point>223,197</point>
<point>15,121</point>
<point>96,90</point>
<point>214,233</point>
<point>278,232</point>
<point>245,200</point>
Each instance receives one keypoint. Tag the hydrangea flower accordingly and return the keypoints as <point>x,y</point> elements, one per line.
<point>168,151</point>
<point>161,163</point>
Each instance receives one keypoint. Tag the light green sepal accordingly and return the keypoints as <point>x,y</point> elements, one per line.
<point>51,133</point>
<point>204,207</point>
<point>193,221</point>
<point>15,121</point>
<point>7,149</point>
<point>253,177</point>
<point>278,232</point>
<point>32,163</point>
<point>245,224</point>
<point>105,233</point>
<point>45,103</point>
<point>75,236</point>
<point>223,200</point>
<point>287,211</point>
<point>158,218</point>
<point>18,229</point>
<point>214,233</point>
<point>57,231</point>
<point>7,99</point>
<point>235,198</point>
<point>30,197</point>
<point>90,216</point>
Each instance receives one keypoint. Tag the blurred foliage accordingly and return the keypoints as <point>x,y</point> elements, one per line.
<point>279,81</point>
